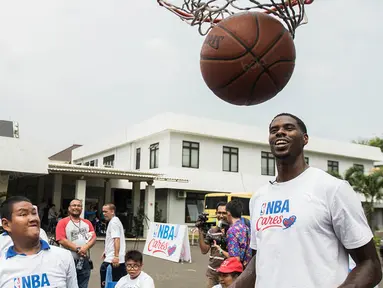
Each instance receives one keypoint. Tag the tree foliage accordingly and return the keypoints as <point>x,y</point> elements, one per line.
<point>370,185</point>
<point>376,142</point>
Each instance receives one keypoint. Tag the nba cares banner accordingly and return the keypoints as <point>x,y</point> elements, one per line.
<point>168,241</point>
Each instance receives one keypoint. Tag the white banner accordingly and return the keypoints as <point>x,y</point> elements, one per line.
<point>168,241</point>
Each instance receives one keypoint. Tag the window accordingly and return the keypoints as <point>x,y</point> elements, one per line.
<point>333,166</point>
<point>86,163</point>
<point>212,201</point>
<point>267,164</point>
<point>190,154</point>
<point>230,159</point>
<point>138,158</point>
<point>154,151</point>
<point>93,163</point>
<point>194,205</point>
<point>307,160</point>
<point>359,166</point>
<point>245,204</point>
<point>108,161</point>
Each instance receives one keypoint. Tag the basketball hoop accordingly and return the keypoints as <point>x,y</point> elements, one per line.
<point>211,12</point>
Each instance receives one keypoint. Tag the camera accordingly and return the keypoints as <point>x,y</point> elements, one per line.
<point>201,222</point>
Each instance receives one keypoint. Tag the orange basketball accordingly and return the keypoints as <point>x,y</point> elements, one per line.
<point>247,58</point>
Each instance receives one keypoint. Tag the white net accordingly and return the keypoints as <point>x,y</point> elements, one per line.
<point>205,14</point>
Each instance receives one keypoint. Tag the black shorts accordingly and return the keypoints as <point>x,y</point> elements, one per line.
<point>117,273</point>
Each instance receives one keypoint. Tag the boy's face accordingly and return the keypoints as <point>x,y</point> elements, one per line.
<point>133,268</point>
<point>225,279</point>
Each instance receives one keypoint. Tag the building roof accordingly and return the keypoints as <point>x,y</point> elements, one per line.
<point>223,130</point>
<point>110,173</point>
<point>64,155</point>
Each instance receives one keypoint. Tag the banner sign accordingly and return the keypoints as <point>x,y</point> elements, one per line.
<point>168,241</point>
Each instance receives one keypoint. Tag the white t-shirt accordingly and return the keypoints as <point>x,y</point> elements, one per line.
<point>51,267</point>
<point>6,241</point>
<point>115,230</point>
<point>299,228</point>
<point>142,281</point>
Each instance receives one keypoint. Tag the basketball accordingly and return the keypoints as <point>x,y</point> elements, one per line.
<point>247,58</point>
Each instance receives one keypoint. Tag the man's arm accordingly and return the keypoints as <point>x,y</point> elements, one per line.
<point>202,245</point>
<point>367,272</point>
<point>352,230</point>
<point>116,247</point>
<point>247,277</point>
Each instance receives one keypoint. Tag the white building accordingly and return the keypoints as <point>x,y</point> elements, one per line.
<point>213,156</point>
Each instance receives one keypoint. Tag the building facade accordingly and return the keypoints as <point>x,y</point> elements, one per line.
<point>213,156</point>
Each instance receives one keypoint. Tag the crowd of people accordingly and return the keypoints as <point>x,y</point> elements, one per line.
<point>304,228</point>
<point>27,259</point>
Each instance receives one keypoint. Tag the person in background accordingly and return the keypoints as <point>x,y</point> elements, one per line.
<point>215,257</point>
<point>136,277</point>
<point>229,271</point>
<point>77,235</point>
<point>30,261</point>
<point>114,253</point>
<point>6,240</point>
<point>238,235</point>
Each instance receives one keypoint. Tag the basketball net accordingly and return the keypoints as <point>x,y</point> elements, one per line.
<point>207,14</point>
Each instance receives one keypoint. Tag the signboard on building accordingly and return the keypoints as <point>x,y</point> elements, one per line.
<point>168,241</point>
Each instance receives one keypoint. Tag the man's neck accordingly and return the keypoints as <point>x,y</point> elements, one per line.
<point>288,170</point>
<point>235,220</point>
<point>27,248</point>
<point>75,218</point>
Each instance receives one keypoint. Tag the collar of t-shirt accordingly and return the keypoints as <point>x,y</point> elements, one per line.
<point>11,252</point>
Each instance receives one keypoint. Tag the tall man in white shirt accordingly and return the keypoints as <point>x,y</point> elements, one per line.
<point>31,262</point>
<point>114,253</point>
<point>306,223</point>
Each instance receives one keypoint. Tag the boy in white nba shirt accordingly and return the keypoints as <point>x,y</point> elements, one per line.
<point>306,223</point>
<point>136,278</point>
<point>31,262</point>
<point>6,240</point>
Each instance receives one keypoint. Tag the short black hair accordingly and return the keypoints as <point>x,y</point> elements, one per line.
<point>235,208</point>
<point>301,124</point>
<point>219,204</point>
<point>134,255</point>
<point>6,209</point>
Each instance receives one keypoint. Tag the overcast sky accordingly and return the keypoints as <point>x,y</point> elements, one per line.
<point>73,71</point>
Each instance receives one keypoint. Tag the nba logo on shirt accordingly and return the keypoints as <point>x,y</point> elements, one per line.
<point>263,208</point>
<point>16,283</point>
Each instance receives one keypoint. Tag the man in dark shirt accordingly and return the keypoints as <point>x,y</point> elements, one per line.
<point>215,258</point>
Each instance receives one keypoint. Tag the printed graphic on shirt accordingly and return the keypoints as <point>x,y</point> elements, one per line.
<point>32,281</point>
<point>275,214</point>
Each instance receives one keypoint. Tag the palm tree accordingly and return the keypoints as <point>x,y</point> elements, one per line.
<point>370,185</point>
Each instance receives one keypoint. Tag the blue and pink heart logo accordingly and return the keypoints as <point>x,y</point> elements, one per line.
<point>172,249</point>
<point>288,222</point>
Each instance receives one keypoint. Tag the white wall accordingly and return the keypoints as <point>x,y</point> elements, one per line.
<point>22,155</point>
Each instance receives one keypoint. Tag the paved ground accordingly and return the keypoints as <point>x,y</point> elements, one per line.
<point>165,273</point>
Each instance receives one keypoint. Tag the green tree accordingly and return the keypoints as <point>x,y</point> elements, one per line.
<point>376,142</point>
<point>370,185</point>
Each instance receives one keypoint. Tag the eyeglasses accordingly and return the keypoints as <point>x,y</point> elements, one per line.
<point>133,266</point>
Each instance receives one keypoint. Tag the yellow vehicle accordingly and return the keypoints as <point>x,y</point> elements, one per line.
<point>212,199</point>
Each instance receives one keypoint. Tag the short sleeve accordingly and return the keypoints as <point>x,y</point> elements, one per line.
<point>253,235</point>
<point>60,229</point>
<point>232,243</point>
<point>348,218</point>
<point>115,230</point>
<point>147,283</point>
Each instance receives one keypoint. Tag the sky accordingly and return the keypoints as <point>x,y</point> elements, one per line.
<point>76,71</point>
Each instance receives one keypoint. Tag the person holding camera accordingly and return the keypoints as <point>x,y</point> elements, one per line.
<point>215,237</point>
<point>238,235</point>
